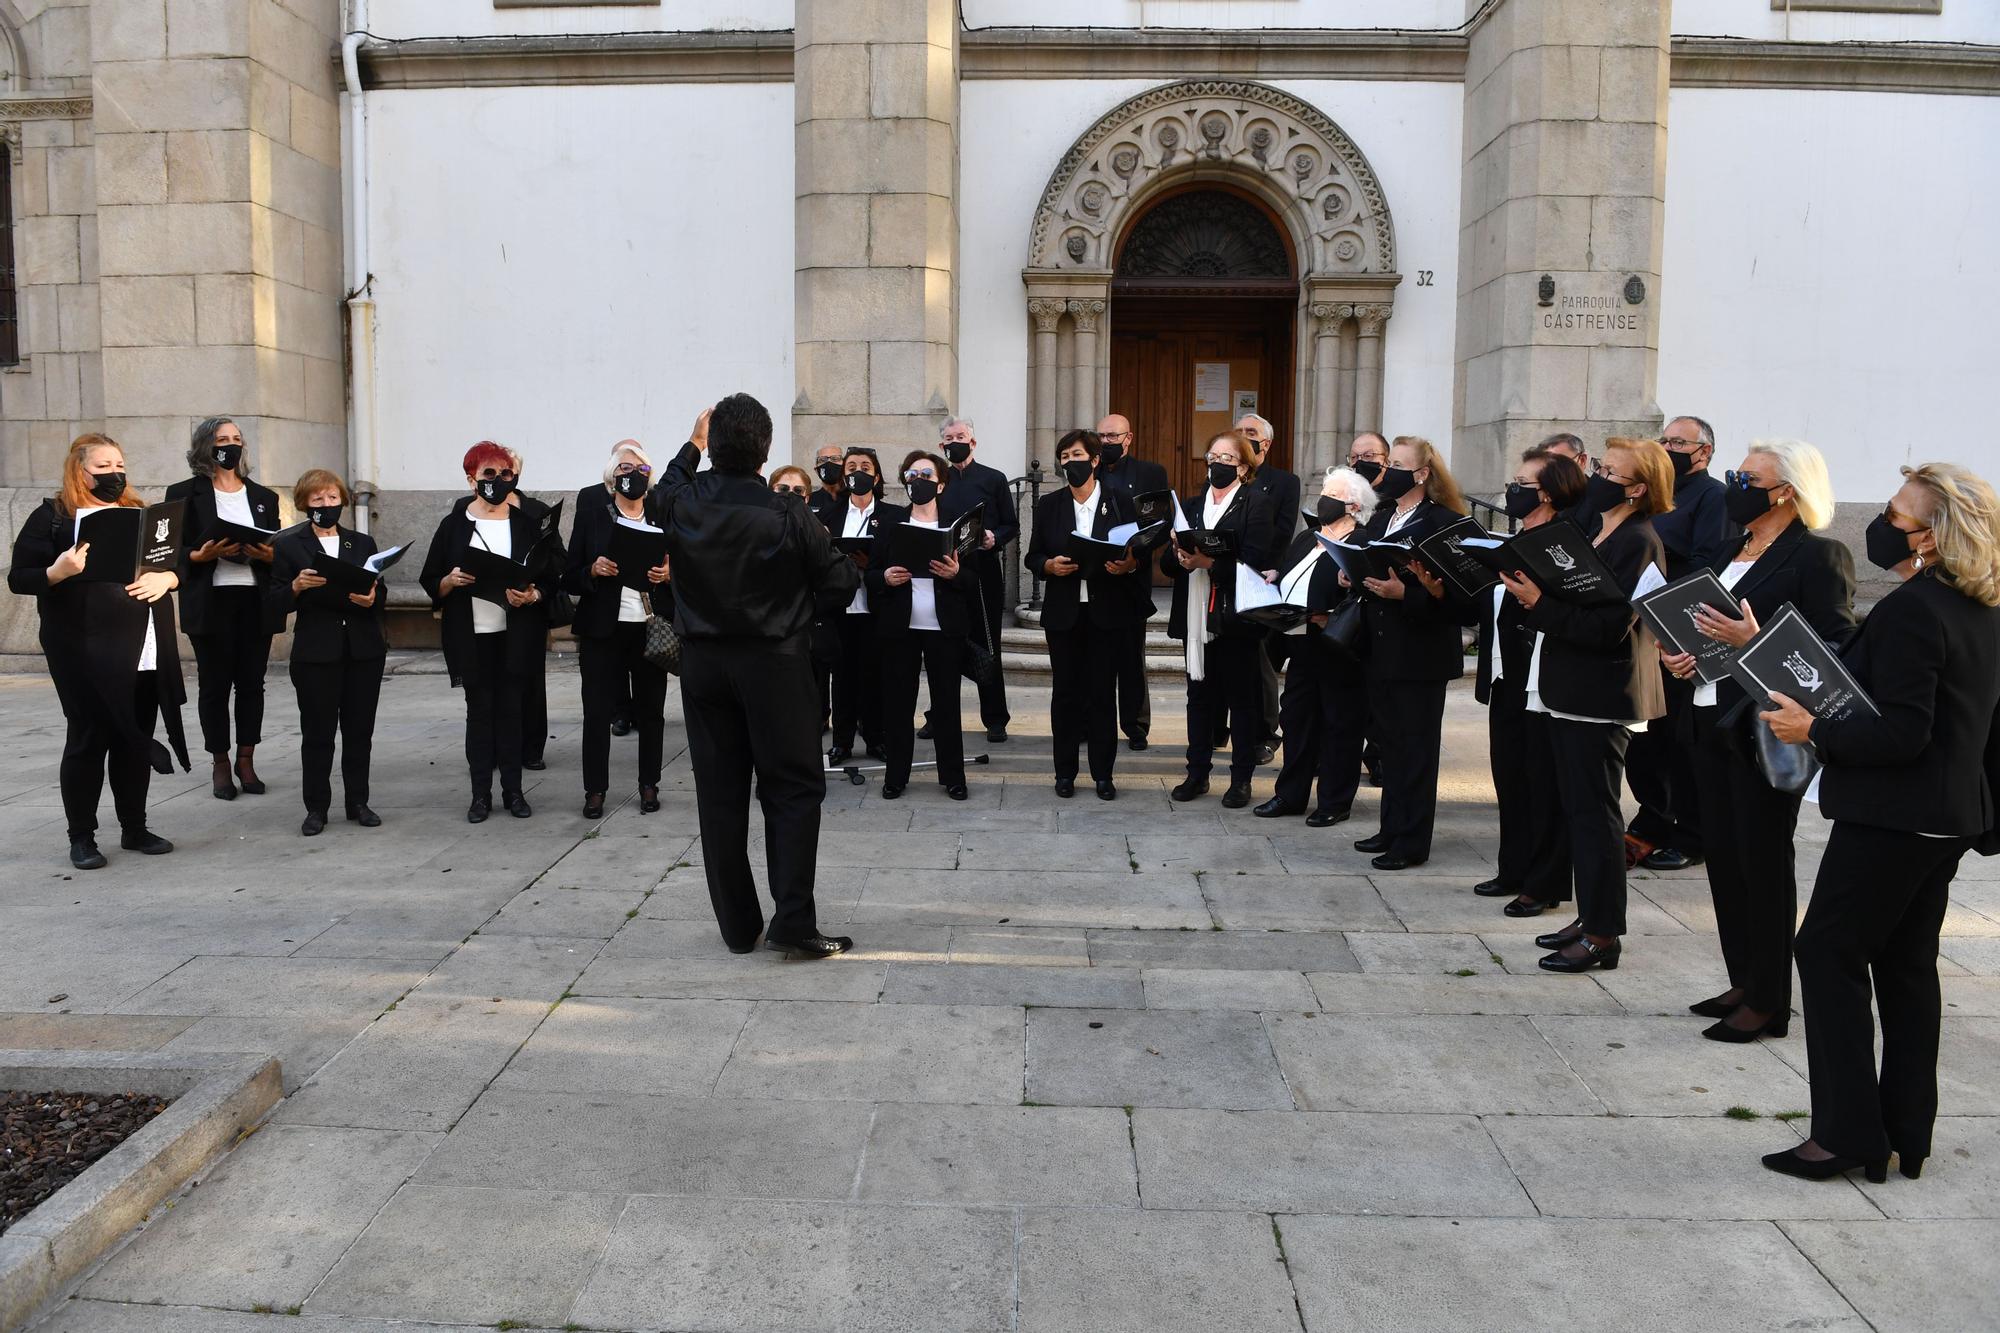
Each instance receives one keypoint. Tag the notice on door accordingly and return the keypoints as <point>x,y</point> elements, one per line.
<point>1211,386</point>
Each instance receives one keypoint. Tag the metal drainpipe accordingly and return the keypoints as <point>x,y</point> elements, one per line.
<point>363,463</point>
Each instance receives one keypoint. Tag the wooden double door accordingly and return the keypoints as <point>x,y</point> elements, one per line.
<point>1186,367</point>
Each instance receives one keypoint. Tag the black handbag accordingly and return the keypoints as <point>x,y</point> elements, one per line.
<point>982,664</point>
<point>1787,767</point>
<point>663,645</point>
<point>1347,628</point>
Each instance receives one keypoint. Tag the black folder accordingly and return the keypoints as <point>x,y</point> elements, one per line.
<point>853,545</point>
<point>1215,543</point>
<point>1376,560</point>
<point>1091,553</point>
<point>913,547</point>
<point>127,541</point>
<point>634,551</point>
<point>346,576</point>
<point>1444,553</point>
<point>222,530</point>
<point>1558,558</point>
<point>493,574</point>
<point>1788,657</point>
<point>1669,612</point>
<point>1155,514</point>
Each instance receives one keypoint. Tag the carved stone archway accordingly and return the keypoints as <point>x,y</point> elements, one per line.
<point>1259,139</point>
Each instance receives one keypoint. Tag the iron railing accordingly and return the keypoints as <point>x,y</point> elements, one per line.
<point>1027,492</point>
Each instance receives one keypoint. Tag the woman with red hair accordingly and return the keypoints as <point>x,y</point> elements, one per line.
<point>495,628</point>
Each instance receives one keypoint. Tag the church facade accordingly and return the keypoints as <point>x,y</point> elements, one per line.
<point>378,231</point>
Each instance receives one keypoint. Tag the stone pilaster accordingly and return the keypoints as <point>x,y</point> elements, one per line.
<point>218,214</point>
<point>876,92</point>
<point>1560,226</point>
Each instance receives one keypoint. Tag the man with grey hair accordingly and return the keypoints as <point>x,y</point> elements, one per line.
<point>977,484</point>
<point>825,502</point>
<point>1567,445</point>
<point>1283,488</point>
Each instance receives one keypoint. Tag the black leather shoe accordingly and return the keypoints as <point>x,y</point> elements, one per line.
<point>1136,743</point>
<point>1492,888</point>
<point>891,790</point>
<point>1716,1006</point>
<point>1267,753</point>
<point>85,856</point>
<point>1670,858</point>
<point>147,842</point>
<point>537,764</point>
<point>878,752</point>
<point>811,946</point>
<point>593,805</point>
<point>996,735</point>
<point>1911,1167</point>
<point>1377,842</point>
<point>1065,787</point>
<point>1106,791</point>
<point>1529,907</point>
<point>1277,809</point>
<point>359,813</point>
<point>481,807</point>
<point>837,756</point>
<point>1397,861</point>
<point>924,732</point>
<point>1556,939</point>
<point>1789,1163</point>
<point>751,947</point>
<point>1326,818</point>
<point>1777,1025</point>
<point>1190,789</point>
<point>517,804</point>
<point>1593,955</point>
<point>649,798</point>
<point>621,726</point>
<point>1237,796</point>
<point>313,824</point>
<point>957,792</point>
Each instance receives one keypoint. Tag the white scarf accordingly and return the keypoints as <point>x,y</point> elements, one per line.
<point>1199,587</point>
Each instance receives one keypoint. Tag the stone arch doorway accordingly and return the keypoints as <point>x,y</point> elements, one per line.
<point>1199,175</point>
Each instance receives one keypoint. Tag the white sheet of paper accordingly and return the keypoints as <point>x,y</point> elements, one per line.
<point>1252,592</point>
<point>1649,581</point>
<point>373,564</point>
<point>636,525</point>
<point>1122,533</point>
<point>1180,517</point>
<point>1211,386</point>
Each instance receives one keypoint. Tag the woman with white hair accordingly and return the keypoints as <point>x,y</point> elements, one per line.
<point>1780,496</point>
<point>612,606</point>
<point>1324,709</point>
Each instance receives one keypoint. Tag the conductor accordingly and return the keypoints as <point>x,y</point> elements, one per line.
<point>751,572</point>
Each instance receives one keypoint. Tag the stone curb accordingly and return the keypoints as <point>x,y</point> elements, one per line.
<point>216,1098</point>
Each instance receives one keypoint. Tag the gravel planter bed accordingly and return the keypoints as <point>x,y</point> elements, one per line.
<point>47,1139</point>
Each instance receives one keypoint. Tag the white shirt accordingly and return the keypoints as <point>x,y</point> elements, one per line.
<point>1493,664</point>
<point>234,507</point>
<point>497,535</point>
<point>149,648</point>
<point>1212,509</point>
<point>1298,580</point>
<point>856,525</point>
<point>631,606</point>
<point>1704,695</point>
<point>1535,704</point>
<point>331,545</point>
<point>1402,517</point>
<point>1086,520</point>
<point>923,591</point>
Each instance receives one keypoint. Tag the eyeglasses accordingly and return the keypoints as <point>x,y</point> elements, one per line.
<point>502,474</point>
<point>1598,469</point>
<point>1225,458</point>
<point>1892,513</point>
<point>926,473</point>
<point>1679,445</point>
<point>626,469</point>
<point>783,489</point>
<point>1115,436</point>
<point>1747,481</point>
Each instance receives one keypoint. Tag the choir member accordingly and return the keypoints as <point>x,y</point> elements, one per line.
<point>922,616</point>
<point>1123,471</point>
<point>974,483</point>
<point>857,683</point>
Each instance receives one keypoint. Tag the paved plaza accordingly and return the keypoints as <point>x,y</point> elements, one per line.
<point>1091,1068</point>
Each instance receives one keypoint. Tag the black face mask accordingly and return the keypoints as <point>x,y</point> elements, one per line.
<point>1328,510</point>
<point>1683,465</point>
<point>108,486</point>
<point>494,490</point>
<point>1887,545</point>
<point>957,451</point>
<point>1076,471</point>
<point>828,472</point>
<point>324,516</point>
<point>1109,454</point>
<point>1600,494</point>
<point>1221,475</point>
<point>631,485</point>
<point>922,490</point>
<point>1368,470</point>
<point>227,456</point>
<point>1395,482</point>
<point>860,483</point>
<point>1744,504</point>
<point>1522,500</point>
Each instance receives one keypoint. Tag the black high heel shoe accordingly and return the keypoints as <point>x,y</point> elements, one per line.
<point>1777,1025</point>
<point>1716,1006</point>
<point>1911,1167</point>
<point>1556,939</point>
<point>1603,956</point>
<point>1789,1163</point>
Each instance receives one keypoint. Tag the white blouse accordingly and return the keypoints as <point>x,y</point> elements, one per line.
<point>923,591</point>
<point>856,525</point>
<point>233,507</point>
<point>497,535</point>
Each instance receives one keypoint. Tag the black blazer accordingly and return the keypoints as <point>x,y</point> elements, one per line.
<point>1283,488</point>
<point>1322,590</point>
<point>1249,514</point>
<point>328,625</point>
<point>976,483</point>
<point>1134,477</point>
<point>597,599</point>
<point>198,579</point>
<point>1115,599</point>
<point>891,606</point>
<point>1601,661</point>
<point>885,515</point>
<point>92,634</point>
<point>527,626</point>
<point>1420,637</point>
<point>1929,656</point>
<point>1517,644</point>
<point>825,506</point>
<point>1813,573</point>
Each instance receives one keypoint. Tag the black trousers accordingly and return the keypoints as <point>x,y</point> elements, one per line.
<point>1408,721</point>
<point>1230,695</point>
<point>936,655</point>
<point>1271,684</point>
<point>857,684</point>
<point>1135,698</point>
<point>1660,766</point>
<point>231,654</point>
<point>493,697</point>
<point>535,711</point>
<point>1590,766</point>
<point>750,709</point>
<point>619,659</point>
<point>1751,872</point>
<point>336,697</point>
<point>1534,845</point>
<point>94,748</point>
<point>1876,910</point>
<point>1323,712</point>
<point>1083,662</point>
<point>985,630</point>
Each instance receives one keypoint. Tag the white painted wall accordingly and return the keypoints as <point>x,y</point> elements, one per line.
<point>1830,275</point>
<point>1013,132</point>
<point>559,268</point>
<point>1960,21</point>
<point>1220,14</point>
<point>480,18</point>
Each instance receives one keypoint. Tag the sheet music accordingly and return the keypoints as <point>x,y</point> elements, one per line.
<point>381,560</point>
<point>637,525</point>
<point>1650,581</point>
<point>1252,592</point>
<point>1120,534</point>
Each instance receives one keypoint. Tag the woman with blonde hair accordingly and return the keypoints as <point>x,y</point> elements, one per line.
<point>1909,788</point>
<point>1781,498</point>
<point>112,653</point>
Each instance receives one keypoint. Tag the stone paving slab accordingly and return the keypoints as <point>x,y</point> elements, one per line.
<point>1637,1067</point>
<point>1023,1155</point>
<point>866,1052</point>
<point>1125,1272</point>
<point>658,1048</point>
<point>1053,897</point>
<point>1213,988</point>
<point>91,1316</point>
<point>1026,985</point>
<point>1296,902</point>
<point>1425,1063</point>
<point>1112,1057</point>
<point>1904,1277</point>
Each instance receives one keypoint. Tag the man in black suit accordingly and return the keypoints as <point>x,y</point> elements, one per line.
<point>1132,477</point>
<point>826,502</point>
<point>977,484</point>
<point>751,570</point>
<point>1283,489</point>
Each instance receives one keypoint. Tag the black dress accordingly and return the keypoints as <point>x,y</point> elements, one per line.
<point>225,623</point>
<point>336,663</point>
